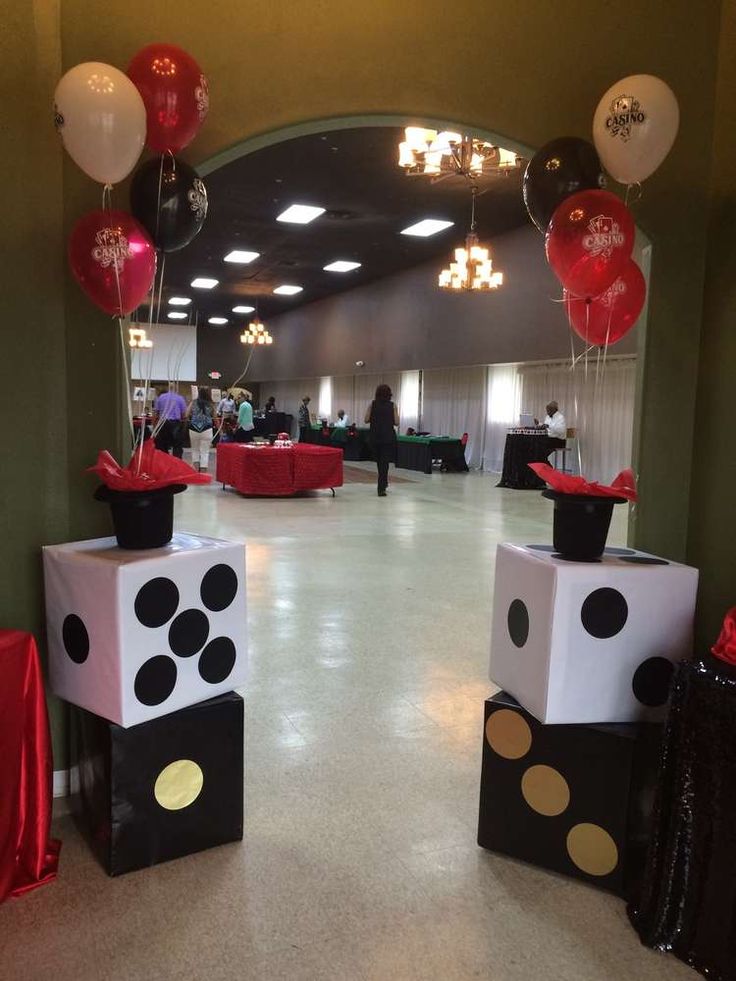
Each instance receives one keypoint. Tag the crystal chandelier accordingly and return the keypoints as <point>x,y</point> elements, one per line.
<point>256,333</point>
<point>473,266</point>
<point>439,155</point>
<point>137,338</point>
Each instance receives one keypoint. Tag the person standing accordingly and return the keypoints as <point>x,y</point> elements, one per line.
<point>244,433</point>
<point>200,415</point>
<point>383,417</point>
<point>169,410</point>
<point>226,405</point>
<point>305,421</point>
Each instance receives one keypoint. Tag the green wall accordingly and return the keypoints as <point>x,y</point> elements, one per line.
<point>712,538</point>
<point>33,485</point>
<point>527,71</point>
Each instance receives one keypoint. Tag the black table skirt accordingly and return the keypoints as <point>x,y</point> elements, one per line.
<point>521,449</point>
<point>419,456</point>
<point>353,447</point>
<point>273,423</point>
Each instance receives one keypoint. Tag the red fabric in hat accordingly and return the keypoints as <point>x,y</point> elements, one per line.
<point>148,469</point>
<point>624,485</point>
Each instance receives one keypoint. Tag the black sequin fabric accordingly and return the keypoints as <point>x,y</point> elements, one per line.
<point>687,903</point>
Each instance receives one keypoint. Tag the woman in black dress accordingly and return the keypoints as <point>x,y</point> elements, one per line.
<point>383,416</point>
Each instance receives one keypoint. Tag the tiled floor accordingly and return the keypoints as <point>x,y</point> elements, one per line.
<point>369,624</point>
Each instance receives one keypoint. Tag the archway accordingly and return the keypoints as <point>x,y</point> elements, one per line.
<point>297,135</point>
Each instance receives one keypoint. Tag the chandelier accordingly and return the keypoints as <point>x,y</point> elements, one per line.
<point>438,155</point>
<point>473,266</point>
<point>137,338</point>
<point>256,333</point>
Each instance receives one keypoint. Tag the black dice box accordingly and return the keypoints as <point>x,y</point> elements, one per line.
<point>576,799</point>
<point>161,789</point>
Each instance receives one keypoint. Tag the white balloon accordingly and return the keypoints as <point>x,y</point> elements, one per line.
<point>101,118</point>
<point>634,127</point>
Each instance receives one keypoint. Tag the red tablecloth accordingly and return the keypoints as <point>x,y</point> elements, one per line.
<point>28,857</point>
<point>278,471</point>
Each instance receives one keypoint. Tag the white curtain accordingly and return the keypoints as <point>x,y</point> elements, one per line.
<point>365,389</point>
<point>343,396</point>
<point>595,399</point>
<point>503,399</point>
<point>408,400</point>
<point>453,403</point>
<point>324,408</point>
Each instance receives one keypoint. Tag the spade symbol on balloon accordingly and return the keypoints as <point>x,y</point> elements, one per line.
<point>169,199</point>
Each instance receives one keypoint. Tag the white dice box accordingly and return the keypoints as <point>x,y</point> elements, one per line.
<point>134,635</point>
<point>581,642</point>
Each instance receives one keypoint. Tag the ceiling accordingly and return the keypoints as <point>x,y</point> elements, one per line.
<point>353,174</point>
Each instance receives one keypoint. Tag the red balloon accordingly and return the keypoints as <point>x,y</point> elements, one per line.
<point>113,260</point>
<point>589,241</point>
<point>608,317</point>
<point>174,92</point>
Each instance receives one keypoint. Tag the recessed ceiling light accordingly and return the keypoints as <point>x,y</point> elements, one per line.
<point>426,227</point>
<point>239,255</point>
<point>287,290</point>
<point>177,315</point>
<point>217,320</point>
<point>243,309</point>
<point>204,283</point>
<point>341,265</point>
<point>300,214</point>
<point>179,301</point>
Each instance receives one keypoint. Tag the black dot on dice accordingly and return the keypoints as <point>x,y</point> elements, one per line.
<point>651,681</point>
<point>75,637</point>
<point>518,622</point>
<point>155,680</point>
<point>219,586</point>
<point>217,660</point>
<point>156,602</point>
<point>188,633</point>
<point>604,612</point>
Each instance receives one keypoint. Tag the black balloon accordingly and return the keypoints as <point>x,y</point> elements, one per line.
<point>561,168</point>
<point>170,201</point>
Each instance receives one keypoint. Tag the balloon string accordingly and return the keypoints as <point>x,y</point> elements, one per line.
<point>126,379</point>
<point>158,199</point>
<point>156,429</point>
<point>160,288</point>
<point>637,185</point>
<point>573,362</point>
<point>107,206</point>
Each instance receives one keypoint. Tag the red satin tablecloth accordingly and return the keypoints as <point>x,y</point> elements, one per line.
<point>278,471</point>
<point>28,857</point>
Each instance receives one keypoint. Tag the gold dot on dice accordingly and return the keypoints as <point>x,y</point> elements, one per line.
<point>592,849</point>
<point>545,790</point>
<point>508,734</point>
<point>178,785</point>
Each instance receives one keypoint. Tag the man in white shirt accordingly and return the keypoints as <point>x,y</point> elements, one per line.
<point>555,422</point>
<point>226,405</point>
<point>342,421</point>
